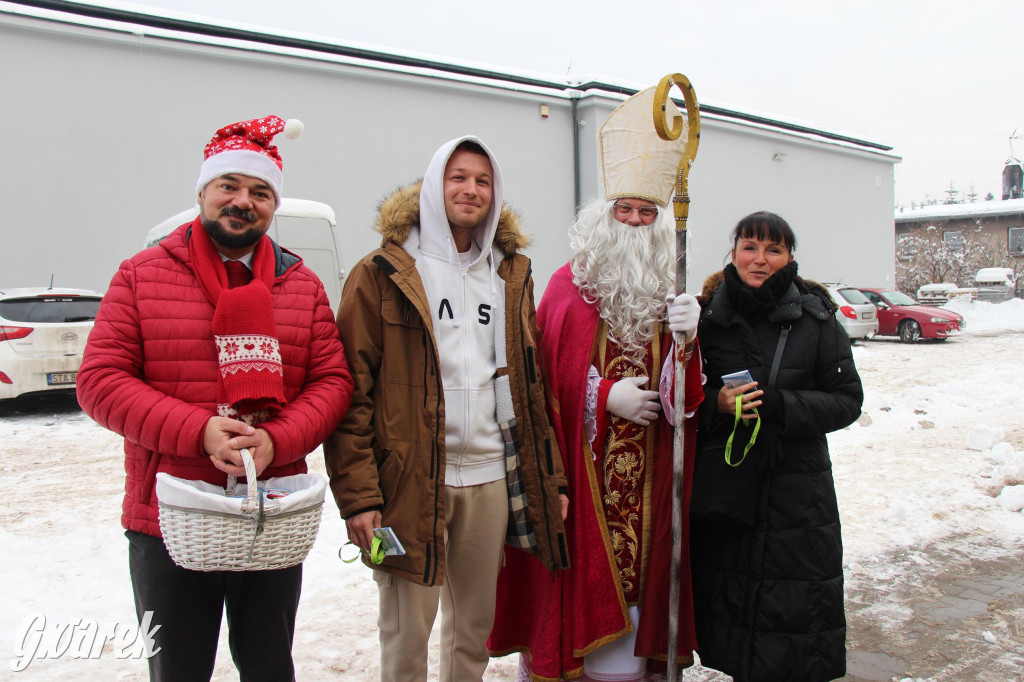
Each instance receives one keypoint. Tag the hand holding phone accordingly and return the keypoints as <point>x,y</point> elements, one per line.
<point>389,541</point>
<point>732,383</point>
<point>737,379</point>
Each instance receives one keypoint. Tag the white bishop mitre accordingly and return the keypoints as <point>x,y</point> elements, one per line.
<point>635,162</point>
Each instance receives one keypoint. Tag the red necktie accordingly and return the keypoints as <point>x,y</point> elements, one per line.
<point>238,274</point>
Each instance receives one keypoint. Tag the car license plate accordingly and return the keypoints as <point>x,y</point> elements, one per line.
<point>870,314</point>
<point>60,378</point>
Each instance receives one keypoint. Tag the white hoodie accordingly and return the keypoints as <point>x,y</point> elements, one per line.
<point>465,295</point>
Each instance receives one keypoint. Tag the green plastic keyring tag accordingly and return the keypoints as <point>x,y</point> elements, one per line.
<point>376,552</point>
<point>736,423</point>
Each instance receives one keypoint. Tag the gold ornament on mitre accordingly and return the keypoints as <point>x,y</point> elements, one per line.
<point>635,160</point>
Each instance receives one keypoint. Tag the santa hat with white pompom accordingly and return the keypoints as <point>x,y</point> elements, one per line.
<point>245,148</point>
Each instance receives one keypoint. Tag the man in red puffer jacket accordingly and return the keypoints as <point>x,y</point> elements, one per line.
<point>213,341</point>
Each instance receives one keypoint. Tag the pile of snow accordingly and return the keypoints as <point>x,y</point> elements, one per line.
<point>984,437</point>
<point>1007,475</point>
<point>990,318</point>
<point>1012,498</point>
<point>1009,464</point>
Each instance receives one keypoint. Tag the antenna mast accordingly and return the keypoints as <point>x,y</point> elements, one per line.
<point>1013,136</point>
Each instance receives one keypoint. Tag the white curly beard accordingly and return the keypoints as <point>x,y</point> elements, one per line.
<point>627,271</point>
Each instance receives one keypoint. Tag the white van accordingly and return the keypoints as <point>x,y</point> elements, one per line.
<point>306,228</point>
<point>995,284</point>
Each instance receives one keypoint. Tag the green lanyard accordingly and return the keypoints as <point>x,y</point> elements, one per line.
<point>776,361</point>
<point>736,423</point>
<point>376,552</point>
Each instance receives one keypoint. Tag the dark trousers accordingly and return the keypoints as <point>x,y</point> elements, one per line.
<point>188,605</point>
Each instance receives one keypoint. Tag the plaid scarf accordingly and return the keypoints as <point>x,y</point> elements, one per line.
<point>519,532</point>
<point>250,383</point>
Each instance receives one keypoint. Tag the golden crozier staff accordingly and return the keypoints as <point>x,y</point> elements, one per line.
<point>681,209</point>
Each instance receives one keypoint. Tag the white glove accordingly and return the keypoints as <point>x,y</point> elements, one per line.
<point>683,315</point>
<point>627,400</point>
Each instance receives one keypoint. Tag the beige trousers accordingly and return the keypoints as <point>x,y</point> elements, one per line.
<point>477,517</point>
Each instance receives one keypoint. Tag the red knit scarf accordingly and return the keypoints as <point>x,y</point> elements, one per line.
<point>250,383</point>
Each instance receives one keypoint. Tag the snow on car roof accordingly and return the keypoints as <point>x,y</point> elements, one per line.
<point>994,275</point>
<point>16,292</point>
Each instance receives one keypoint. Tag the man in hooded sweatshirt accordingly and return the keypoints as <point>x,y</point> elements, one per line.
<point>447,441</point>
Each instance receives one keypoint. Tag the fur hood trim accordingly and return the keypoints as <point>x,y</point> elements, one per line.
<point>400,211</point>
<point>711,285</point>
<point>805,286</point>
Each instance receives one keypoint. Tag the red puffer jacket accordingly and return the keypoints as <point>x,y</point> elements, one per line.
<point>150,371</point>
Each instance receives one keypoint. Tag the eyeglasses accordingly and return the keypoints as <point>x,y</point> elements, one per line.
<point>645,212</point>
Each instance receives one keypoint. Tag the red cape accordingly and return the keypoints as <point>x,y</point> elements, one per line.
<point>559,617</point>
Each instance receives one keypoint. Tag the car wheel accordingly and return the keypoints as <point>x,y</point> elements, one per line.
<point>910,331</point>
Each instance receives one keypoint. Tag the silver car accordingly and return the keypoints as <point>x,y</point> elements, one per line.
<point>42,338</point>
<point>856,313</point>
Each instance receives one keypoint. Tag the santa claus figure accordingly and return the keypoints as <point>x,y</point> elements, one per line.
<point>612,331</point>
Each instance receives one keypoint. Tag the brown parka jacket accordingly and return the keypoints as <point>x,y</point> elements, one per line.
<point>388,453</point>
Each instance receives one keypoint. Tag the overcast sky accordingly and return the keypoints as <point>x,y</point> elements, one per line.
<point>939,81</point>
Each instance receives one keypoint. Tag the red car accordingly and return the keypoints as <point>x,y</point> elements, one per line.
<point>900,315</point>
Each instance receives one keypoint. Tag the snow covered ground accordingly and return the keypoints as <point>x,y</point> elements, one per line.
<point>936,459</point>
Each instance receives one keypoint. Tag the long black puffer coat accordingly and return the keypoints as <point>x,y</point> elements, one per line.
<point>766,545</point>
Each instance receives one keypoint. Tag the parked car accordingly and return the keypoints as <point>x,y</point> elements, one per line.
<point>42,338</point>
<point>995,285</point>
<point>855,313</point>
<point>900,315</point>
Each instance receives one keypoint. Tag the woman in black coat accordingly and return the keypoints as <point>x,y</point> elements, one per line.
<point>766,549</point>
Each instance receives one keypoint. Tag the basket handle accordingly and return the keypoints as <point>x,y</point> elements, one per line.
<point>253,503</point>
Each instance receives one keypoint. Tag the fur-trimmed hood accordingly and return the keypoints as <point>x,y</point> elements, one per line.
<point>399,212</point>
<point>711,285</point>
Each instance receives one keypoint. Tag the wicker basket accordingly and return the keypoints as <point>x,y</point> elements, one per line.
<point>206,529</point>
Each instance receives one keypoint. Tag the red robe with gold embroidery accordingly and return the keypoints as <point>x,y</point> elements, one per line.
<point>559,617</point>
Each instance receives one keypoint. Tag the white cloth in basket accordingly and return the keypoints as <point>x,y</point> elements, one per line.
<point>306,490</point>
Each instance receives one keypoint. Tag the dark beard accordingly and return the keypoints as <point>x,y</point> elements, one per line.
<point>230,240</point>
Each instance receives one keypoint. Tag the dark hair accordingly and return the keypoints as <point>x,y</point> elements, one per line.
<point>767,226</point>
<point>471,146</point>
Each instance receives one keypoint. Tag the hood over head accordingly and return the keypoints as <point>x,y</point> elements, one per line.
<point>435,232</point>
<point>399,212</point>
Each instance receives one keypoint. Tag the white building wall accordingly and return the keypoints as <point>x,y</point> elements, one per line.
<point>104,131</point>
